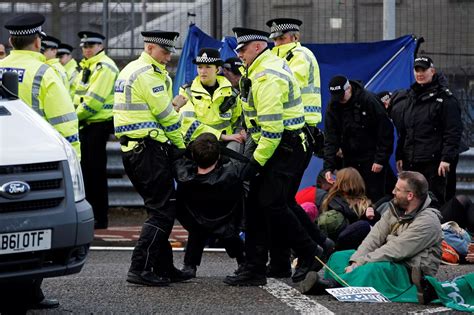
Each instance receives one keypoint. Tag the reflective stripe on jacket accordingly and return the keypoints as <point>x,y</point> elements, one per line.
<point>94,99</point>
<point>143,95</point>
<point>71,71</point>
<point>305,68</point>
<point>201,113</point>
<point>40,87</point>
<point>273,104</point>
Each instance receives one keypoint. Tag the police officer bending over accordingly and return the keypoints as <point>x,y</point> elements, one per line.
<point>149,131</point>
<point>274,116</point>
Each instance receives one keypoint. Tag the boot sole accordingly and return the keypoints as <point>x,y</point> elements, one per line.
<point>140,281</point>
<point>308,282</point>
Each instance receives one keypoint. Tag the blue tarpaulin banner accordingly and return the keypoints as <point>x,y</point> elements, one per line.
<point>383,65</point>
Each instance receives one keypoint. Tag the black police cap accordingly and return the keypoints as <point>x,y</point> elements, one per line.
<point>424,62</point>
<point>247,35</point>
<point>88,37</point>
<point>280,26</point>
<point>25,24</point>
<point>337,87</point>
<point>165,39</point>
<point>233,64</point>
<point>208,56</point>
<point>64,49</point>
<point>48,41</point>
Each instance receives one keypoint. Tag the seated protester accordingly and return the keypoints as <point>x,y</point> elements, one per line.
<point>346,199</point>
<point>402,248</point>
<point>460,210</point>
<point>209,200</point>
<point>211,102</point>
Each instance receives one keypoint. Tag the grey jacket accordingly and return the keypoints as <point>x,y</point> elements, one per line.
<point>414,240</point>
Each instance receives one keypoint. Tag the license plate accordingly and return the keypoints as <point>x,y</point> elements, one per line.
<point>25,241</point>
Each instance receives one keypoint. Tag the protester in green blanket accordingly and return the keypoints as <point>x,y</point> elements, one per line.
<point>400,249</point>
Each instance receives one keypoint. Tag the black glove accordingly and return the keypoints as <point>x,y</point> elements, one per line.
<point>250,170</point>
<point>176,153</point>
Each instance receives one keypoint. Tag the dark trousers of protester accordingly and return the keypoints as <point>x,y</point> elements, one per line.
<point>94,167</point>
<point>150,171</point>
<point>269,213</point>
<point>353,235</point>
<point>16,297</point>
<point>227,233</point>
<point>374,182</point>
<point>436,183</point>
<point>279,254</point>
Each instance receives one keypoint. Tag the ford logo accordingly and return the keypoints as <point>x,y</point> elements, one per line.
<point>14,190</point>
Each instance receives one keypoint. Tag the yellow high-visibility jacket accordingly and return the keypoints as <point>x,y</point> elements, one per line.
<point>40,87</point>
<point>273,104</point>
<point>201,113</point>
<point>60,71</point>
<point>72,72</point>
<point>142,107</point>
<point>94,99</point>
<point>305,68</point>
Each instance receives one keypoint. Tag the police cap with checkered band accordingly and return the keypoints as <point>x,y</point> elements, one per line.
<point>165,39</point>
<point>25,24</point>
<point>280,26</point>
<point>208,56</point>
<point>64,49</point>
<point>48,41</point>
<point>247,35</point>
<point>88,37</point>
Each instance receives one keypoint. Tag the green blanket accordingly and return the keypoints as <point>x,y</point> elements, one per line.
<point>393,281</point>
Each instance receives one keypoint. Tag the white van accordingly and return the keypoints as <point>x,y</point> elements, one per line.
<point>46,225</point>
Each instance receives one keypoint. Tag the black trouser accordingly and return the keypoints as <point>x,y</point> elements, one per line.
<point>374,182</point>
<point>16,297</point>
<point>150,171</point>
<point>280,255</point>
<point>269,213</point>
<point>436,183</point>
<point>198,235</point>
<point>94,139</point>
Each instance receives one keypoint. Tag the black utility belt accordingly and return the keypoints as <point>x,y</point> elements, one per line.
<point>124,140</point>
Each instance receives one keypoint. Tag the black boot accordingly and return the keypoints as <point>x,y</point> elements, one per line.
<point>147,278</point>
<point>189,270</point>
<point>247,277</point>
<point>309,263</point>
<point>328,248</point>
<point>319,284</point>
<point>176,275</point>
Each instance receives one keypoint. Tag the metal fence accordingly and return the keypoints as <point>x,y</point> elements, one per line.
<point>446,25</point>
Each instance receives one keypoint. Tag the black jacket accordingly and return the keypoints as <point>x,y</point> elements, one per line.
<point>361,128</point>
<point>212,199</point>
<point>428,122</point>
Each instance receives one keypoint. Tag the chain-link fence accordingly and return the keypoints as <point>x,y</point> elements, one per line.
<point>446,25</point>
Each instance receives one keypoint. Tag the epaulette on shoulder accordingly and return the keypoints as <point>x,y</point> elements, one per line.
<point>99,66</point>
<point>156,69</point>
<point>447,91</point>
<point>186,85</point>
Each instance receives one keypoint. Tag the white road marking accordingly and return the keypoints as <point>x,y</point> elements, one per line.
<point>293,298</point>
<point>441,309</point>
<point>175,249</point>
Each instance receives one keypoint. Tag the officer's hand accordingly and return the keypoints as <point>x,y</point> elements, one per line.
<point>377,168</point>
<point>330,178</point>
<point>399,166</point>
<point>177,153</point>
<point>235,137</point>
<point>179,101</point>
<point>250,170</point>
<point>443,169</point>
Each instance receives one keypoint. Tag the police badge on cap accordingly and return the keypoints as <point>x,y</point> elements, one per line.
<point>208,56</point>
<point>25,24</point>
<point>423,62</point>
<point>90,38</point>
<point>280,26</point>
<point>247,35</point>
<point>167,40</point>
